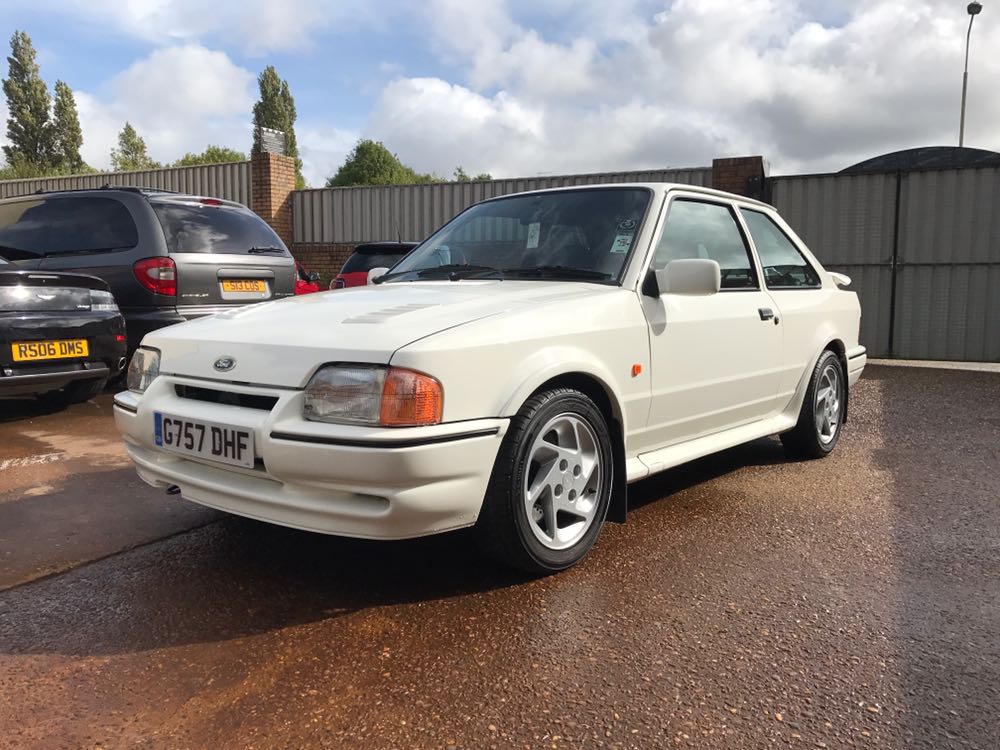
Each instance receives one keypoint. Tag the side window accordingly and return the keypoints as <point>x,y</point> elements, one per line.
<point>706,230</point>
<point>22,231</point>
<point>53,226</point>
<point>783,264</point>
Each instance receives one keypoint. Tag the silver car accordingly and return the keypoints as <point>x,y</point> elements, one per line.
<point>167,257</point>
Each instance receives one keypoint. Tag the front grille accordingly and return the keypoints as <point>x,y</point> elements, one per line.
<point>229,398</point>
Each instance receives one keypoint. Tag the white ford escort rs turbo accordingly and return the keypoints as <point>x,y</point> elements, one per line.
<point>514,373</point>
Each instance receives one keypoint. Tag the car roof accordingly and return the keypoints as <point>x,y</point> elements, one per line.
<point>657,187</point>
<point>150,193</point>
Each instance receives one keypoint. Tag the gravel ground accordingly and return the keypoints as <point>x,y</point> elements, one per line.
<point>749,602</point>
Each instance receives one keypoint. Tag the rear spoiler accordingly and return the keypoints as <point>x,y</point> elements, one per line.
<point>840,279</point>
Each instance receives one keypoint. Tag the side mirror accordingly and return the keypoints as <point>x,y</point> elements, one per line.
<point>694,276</point>
<point>841,280</point>
<point>314,277</point>
<point>376,273</point>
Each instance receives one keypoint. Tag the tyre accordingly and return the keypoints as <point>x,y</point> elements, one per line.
<point>551,484</point>
<point>816,433</point>
<point>75,392</point>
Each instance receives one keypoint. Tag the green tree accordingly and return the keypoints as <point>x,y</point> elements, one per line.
<point>29,129</point>
<point>131,155</point>
<point>275,109</point>
<point>371,163</point>
<point>19,169</point>
<point>460,175</point>
<point>67,136</point>
<point>211,155</point>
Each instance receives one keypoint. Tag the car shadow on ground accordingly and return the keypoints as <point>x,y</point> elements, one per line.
<point>238,577</point>
<point>763,452</point>
<point>19,409</point>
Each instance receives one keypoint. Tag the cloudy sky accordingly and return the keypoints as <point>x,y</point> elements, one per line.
<point>523,88</point>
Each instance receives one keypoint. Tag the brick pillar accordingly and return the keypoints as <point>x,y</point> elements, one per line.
<point>272,182</point>
<point>743,175</point>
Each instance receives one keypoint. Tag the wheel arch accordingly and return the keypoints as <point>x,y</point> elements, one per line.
<point>604,397</point>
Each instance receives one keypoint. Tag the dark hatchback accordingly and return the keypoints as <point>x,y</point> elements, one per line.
<point>368,256</point>
<point>168,257</point>
<point>61,335</point>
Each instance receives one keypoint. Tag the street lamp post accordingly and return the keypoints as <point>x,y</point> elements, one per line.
<point>975,8</point>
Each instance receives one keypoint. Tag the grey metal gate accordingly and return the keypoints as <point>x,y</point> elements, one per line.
<point>923,249</point>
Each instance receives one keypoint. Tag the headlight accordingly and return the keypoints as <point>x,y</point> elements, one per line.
<point>143,369</point>
<point>102,301</point>
<point>373,395</point>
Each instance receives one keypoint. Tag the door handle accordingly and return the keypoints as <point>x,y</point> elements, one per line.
<point>766,313</point>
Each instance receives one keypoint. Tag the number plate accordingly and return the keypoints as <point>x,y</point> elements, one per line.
<point>196,437</point>
<point>244,285</point>
<point>31,351</point>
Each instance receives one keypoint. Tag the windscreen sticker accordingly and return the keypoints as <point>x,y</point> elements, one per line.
<point>534,230</point>
<point>622,242</point>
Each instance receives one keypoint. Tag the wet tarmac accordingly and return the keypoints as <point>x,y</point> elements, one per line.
<point>750,601</point>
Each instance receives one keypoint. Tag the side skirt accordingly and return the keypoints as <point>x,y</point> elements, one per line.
<point>675,455</point>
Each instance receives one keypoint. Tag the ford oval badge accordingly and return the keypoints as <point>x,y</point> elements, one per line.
<point>224,364</point>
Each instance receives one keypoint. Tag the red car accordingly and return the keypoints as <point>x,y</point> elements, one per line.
<point>305,283</point>
<point>368,256</point>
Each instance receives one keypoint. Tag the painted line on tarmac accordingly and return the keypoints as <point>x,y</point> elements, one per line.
<point>36,460</point>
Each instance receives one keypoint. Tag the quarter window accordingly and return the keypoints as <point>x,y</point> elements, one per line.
<point>706,230</point>
<point>784,266</point>
<point>63,226</point>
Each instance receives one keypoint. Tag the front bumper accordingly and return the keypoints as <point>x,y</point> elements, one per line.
<point>373,483</point>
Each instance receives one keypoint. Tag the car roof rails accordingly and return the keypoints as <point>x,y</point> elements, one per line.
<point>109,186</point>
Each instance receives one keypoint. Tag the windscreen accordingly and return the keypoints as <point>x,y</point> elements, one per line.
<point>575,234</point>
<point>201,228</point>
<point>367,261</point>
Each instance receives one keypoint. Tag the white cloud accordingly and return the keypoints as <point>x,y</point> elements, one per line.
<point>522,87</point>
<point>435,126</point>
<point>622,87</point>
<point>179,99</point>
<point>255,26</point>
<point>322,149</point>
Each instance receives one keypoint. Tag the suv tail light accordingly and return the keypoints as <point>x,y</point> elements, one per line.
<point>158,275</point>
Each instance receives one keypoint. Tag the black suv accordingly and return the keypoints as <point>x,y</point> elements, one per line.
<point>167,257</point>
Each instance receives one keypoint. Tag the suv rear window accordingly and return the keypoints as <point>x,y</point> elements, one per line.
<point>201,228</point>
<point>367,261</point>
<point>65,226</point>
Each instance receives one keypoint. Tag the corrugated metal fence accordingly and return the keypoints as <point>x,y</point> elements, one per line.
<point>922,247</point>
<point>229,181</point>
<point>363,214</point>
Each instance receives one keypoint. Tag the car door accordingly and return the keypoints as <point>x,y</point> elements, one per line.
<point>715,359</point>
<point>22,232</point>
<point>797,290</point>
<point>92,233</point>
